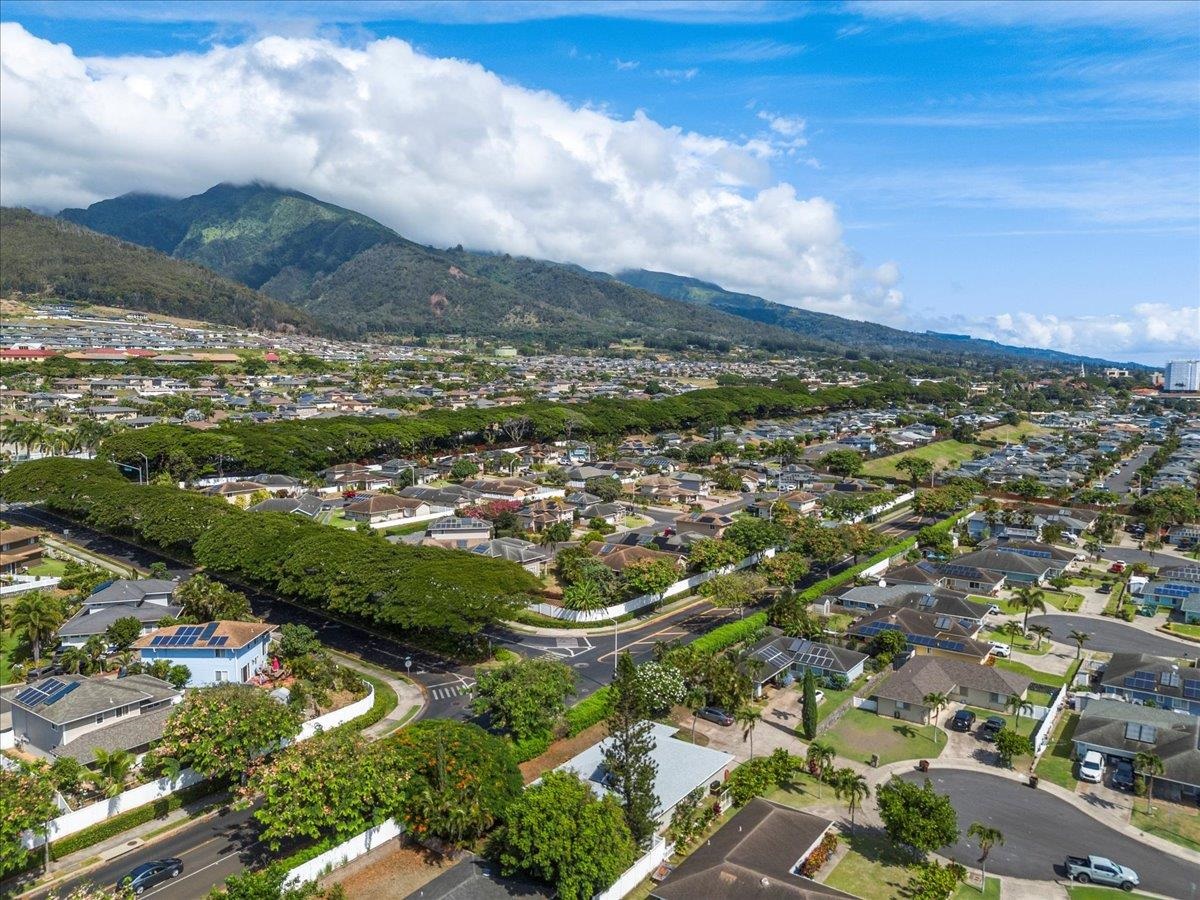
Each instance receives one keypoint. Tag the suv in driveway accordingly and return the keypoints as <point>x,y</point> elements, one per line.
<point>989,729</point>
<point>963,720</point>
<point>1091,767</point>
<point>1122,775</point>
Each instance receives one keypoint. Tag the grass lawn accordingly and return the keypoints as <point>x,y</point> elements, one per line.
<point>1064,601</point>
<point>991,891</point>
<point>801,792</point>
<point>48,568</point>
<point>338,520</point>
<point>9,643</point>
<point>1018,433</point>
<point>410,528</point>
<point>1024,644</point>
<point>1184,630</point>
<point>1170,821</point>
<point>838,622</point>
<point>833,699</point>
<point>859,733</point>
<point>1055,764</point>
<point>1095,892</point>
<point>1031,674</point>
<point>873,869</point>
<point>940,453</point>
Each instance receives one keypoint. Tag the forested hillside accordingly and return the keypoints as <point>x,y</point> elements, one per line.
<point>40,255</point>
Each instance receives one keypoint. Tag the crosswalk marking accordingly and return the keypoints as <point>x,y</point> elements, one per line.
<point>445,693</point>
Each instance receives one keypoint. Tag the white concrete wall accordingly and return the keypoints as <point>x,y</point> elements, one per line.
<point>884,507</point>
<point>23,584</point>
<point>679,587</point>
<point>94,813</point>
<point>1041,735</point>
<point>343,853</point>
<point>639,871</point>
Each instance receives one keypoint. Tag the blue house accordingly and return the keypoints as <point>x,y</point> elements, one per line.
<point>1172,587</point>
<point>1152,681</point>
<point>214,652</point>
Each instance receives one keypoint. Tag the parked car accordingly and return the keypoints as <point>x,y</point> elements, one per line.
<point>962,720</point>
<point>1091,767</point>
<point>1122,775</point>
<point>151,873</point>
<point>990,728</point>
<point>1105,588</point>
<point>1004,651</point>
<point>43,672</point>
<point>820,695</point>
<point>713,714</point>
<point>1117,568</point>
<point>1101,870</point>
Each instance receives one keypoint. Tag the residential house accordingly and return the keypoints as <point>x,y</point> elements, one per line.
<point>1154,680</point>
<point>388,510</point>
<point>147,599</point>
<point>526,554</point>
<point>476,878</point>
<point>19,548</point>
<point>459,533</point>
<point>453,496</point>
<point>781,657</point>
<point>609,513</point>
<point>902,694</point>
<point>71,715</point>
<point>665,489</point>
<point>695,483</point>
<point>1120,729</point>
<point>933,600</point>
<point>214,652</point>
<point>236,492</point>
<point>280,485</point>
<point>926,634</point>
<point>618,556</point>
<point>307,505</point>
<point>1172,587</point>
<point>758,853</point>
<point>541,514</point>
<point>681,768</point>
<point>800,502</point>
<point>1017,568</point>
<point>706,524</point>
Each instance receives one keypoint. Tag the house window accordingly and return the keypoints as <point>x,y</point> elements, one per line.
<point>963,690</point>
<point>222,675</point>
<point>100,720</point>
<point>995,698</point>
<point>900,704</point>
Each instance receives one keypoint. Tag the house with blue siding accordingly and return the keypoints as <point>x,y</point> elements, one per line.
<point>1152,681</point>
<point>1172,588</point>
<point>214,652</point>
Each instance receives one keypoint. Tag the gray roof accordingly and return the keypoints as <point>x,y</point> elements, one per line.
<point>305,505</point>
<point>85,624</point>
<point>513,549</point>
<point>1164,677</point>
<point>93,696</point>
<point>131,733</point>
<point>125,590</point>
<point>779,651</point>
<point>753,855</point>
<point>479,879</point>
<point>1001,561</point>
<point>923,675</point>
<point>1172,736</point>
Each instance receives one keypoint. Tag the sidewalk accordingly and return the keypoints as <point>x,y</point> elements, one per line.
<point>410,696</point>
<point>634,624</point>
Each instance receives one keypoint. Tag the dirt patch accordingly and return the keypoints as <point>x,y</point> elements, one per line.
<point>561,751</point>
<point>397,869</point>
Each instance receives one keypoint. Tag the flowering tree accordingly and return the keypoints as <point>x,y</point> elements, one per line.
<point>661,686</point>
<point>26,802</point>
<point>221,731</point>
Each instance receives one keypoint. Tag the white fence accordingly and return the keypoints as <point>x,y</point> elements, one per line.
<point>343,853</point>
<point>23,584</point>
<point>864,703</point>
<point>620,609</point>
<point>639,871</point>
<point>86,816</point>
<point>1041,736</point>
<point>883,507</point>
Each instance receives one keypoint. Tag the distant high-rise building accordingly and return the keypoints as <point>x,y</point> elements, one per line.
<point>1182,375</point>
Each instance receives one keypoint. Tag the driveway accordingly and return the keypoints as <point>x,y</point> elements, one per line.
<point>1111,636</point>
<point>1040,831</point>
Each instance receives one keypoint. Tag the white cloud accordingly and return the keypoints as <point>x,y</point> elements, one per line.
<point>678,75</point>
<point>788,126</point>
<point>440,149</point>
<point>1154,15</point>
<point>1152,333</point>
<point>624,65</point>
<point>760,50</point>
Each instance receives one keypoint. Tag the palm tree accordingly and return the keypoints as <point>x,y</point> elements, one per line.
<point>937,701</point>
<point>1153,545</point>
<point>37,617</point>
<point>820,758</point>
<point>1042,632</point>
<point>1148,765</point>
<point>94,649</point>
<point>1080,638</point>
<point>695,699</point>
<point>747,717</point>
<point>1095,548</point>
<point>851,788</point>
<point>72,660</point>
<point>113,768</point>
<point>1016,704</point>
<point>121,660</point>
<point>1029,598</point>
<point>988,837</point>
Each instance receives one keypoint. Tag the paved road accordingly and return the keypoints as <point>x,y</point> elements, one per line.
<point>211,850</point>
<point>1157,559</point>
<point>1124,480</point>
<point>1111,636</point>
<point>1040,831</point>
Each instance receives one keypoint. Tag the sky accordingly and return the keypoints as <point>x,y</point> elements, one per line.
<point>1022,171</point>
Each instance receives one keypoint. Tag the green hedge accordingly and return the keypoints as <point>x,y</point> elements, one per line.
<point>385,701</point>
<point>588,712</point>
<point>728,635</point>
<point>532,747</point>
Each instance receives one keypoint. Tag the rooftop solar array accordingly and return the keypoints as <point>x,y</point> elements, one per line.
<point>1191,689</point>
<point>190,636</point>
<point>919,639</point>
<point>47,692</point>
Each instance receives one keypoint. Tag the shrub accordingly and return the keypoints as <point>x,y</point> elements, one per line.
<point>588,712</point>
<point>531,746</point>
<point>728,635</point>
<point>814,861</point>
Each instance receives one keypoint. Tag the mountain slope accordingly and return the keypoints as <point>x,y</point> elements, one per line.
<point>822,326</point>
<point>44,255</point>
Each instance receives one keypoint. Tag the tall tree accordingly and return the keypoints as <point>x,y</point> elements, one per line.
<point>1016,704</point>
<point>630,768</point>
<point>819,759</point>
<point>1028,598</point>
<point>851,788</point>
<point>987,837</point>
<point>917,816</point>
<point>809,714</point>
<point>1148,765</point>
<point>26,803</point>
<point>1080,638</point>
<point>559,832</point>
<point>937,701</point>
<point>36,616</point>
<point>525,698</point>
<point>112,768</point>
<point>205,600</point>
<point>748,717</point>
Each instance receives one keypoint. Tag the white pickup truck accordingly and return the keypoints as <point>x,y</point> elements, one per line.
<point>1101,870</point>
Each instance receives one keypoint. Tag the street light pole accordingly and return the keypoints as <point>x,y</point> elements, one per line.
<point>147,459</point>
<point>615,648</point>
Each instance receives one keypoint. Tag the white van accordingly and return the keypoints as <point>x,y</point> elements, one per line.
<point>1091,768</point>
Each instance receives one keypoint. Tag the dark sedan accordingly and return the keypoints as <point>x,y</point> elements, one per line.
<point>1122,775</point>
<point>963,720</point>
<point>713,714</point>
<point>147,875</point>
<point>992,727</point>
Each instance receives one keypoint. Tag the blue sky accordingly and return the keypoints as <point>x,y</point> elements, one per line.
<point>1025,171</point>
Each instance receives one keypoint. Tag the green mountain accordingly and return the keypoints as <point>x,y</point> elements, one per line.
<point>362,277</point>
<point>49,256</point>
<point>866,336</point>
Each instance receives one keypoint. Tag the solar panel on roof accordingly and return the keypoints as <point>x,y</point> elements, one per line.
<point>208,631</point>
<point>60,692</point>
<point>29,696</point>
<point>157,640</point>
<point>218,641</point>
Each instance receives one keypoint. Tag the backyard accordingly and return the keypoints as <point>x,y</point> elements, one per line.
<point>1020,432</point>
<point>1065,601</point>
<point>873,869</point>
<point>1046,678</point>
<point>1056,764</point>
<point>860,734</point>
<point>943,455</point>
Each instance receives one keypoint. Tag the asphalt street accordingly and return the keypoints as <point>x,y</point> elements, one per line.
<point>1040,831</point>
<point>212,849</point>
<point>1111,636</point>
<point>1125,479</point>
<point>1157,559</point>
